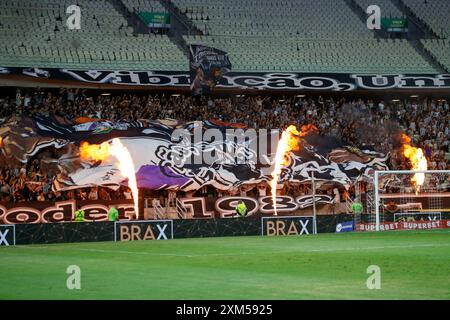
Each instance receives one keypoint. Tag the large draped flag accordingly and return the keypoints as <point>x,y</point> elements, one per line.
<point>167,154</point>
<point>207,66</point>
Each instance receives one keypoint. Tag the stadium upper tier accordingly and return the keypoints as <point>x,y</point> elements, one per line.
<point>259,35</point>
<point>318,19</point>
<point>144,5</point>
<point>294,54</point>
<point>435,13</point>
<point>34,33</point>
<point>387,7</point>
<point>440,49</point>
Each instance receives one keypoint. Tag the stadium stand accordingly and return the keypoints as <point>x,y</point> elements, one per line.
<point>268,18</point>
<point>354,121</point>
<point>258,35</point>
<point>440,49</point>
<point>293,54</point>
<point>35,35</point>
<point>252,37</point>
<point>388,9</point>
<point>144,5</point>
<point>434,13</point>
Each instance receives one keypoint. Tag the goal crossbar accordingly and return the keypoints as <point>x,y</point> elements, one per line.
<point>410,171</point>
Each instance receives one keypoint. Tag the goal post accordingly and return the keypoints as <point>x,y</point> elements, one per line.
<point>397,193</point>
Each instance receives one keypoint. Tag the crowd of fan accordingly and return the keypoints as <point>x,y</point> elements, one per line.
<point>356,122</point>
<point>30,183</point>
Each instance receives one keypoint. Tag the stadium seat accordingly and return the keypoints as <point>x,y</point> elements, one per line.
<point>259,35</point>
<point>37,34</point>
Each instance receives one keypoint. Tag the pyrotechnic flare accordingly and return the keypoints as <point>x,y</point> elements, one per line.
<point>417,160</point>
<point>94,151</point>
<point>290,141</point>
<point>125,162</point>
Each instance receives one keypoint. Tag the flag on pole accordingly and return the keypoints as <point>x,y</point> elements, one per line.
<point>207,66</point>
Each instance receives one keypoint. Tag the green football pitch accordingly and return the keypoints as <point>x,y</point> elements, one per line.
<point>413,265</point>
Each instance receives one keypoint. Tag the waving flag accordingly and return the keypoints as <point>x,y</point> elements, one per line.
<point>207,66</point>
<point>165,160</point>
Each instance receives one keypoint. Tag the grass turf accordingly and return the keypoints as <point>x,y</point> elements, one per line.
<point>414,265</point>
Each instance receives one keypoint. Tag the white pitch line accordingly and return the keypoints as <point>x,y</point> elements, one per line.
<point>255,253</point>
<point>32,246</point>
<point>162,254</point>
<point>381,247</point>
<point>133,252</point>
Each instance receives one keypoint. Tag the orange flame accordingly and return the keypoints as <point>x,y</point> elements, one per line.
<point>418,161</point>
<point>94,151</point>
<point>290,141</point>
<point>125,162</point>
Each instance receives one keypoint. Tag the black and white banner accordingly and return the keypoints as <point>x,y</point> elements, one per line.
<point>185,156</point>
<point>207,66</point>
<point>196,207</point>
<point>243,80</point>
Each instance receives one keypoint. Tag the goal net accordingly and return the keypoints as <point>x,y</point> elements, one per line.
<point>396,200</point>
